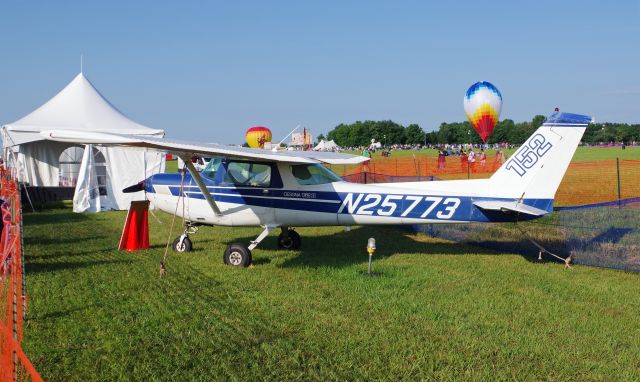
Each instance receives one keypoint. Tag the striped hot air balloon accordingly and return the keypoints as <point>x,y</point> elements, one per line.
<point>257,136</point>
<point>483,104</point>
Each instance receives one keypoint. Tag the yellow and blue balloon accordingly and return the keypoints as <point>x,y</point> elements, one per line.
<point>483,104</point>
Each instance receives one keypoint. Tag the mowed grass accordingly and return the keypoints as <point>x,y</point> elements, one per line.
<point>438,311</point>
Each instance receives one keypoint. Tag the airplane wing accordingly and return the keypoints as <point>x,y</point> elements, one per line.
<point>506,206</point>
<point>184,148</point>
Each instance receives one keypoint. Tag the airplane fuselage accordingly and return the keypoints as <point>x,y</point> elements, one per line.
<point>285,202</point>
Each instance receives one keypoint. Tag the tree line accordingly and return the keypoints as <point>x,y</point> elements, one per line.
<point>360,133</point>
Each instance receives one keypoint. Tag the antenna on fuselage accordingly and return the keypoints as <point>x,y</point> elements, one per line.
<point>286,136</point>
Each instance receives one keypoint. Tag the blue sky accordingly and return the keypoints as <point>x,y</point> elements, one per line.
<point>209,70</point>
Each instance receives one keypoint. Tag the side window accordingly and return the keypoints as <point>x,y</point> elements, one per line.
<point>212,168</point>
<point>248,174</point>
<point>70,160</point>
<point>310,174</point>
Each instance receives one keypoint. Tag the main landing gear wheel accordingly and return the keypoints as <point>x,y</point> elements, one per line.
<point>185,246</point>
<point>237,255</point>
<point>289,240</point>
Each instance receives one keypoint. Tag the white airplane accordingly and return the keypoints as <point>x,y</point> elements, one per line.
<point>253,187</point>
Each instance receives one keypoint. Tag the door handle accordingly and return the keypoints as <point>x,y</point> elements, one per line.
<point>265,191</point>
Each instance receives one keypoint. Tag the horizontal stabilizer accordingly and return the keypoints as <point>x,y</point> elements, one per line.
<point>506,206</point>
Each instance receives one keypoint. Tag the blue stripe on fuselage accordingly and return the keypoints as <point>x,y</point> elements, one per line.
<point>445,208</point>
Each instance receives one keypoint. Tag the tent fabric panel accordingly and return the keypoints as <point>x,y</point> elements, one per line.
<point>126,167</point>
<point>39,163</point>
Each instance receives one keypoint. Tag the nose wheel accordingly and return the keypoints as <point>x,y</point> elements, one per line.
<point>182,243</point>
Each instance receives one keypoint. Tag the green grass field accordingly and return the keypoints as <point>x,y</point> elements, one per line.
<point>439,311</point>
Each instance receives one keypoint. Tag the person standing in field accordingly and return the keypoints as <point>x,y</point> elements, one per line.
<point>500,159</point>
<point>463,160</point>
<point>472,159</point>
<point>483,158</point>
<point>441,160</point>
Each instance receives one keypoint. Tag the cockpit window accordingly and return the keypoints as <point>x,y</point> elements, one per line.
<point>212,168</point>
<point>310,174</point>
<point>248,174</point>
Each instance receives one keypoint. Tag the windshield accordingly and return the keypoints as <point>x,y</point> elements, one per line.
<point>212,168</point>
<point>309,174</point>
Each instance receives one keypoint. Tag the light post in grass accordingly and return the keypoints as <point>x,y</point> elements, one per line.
<point>371,248</point>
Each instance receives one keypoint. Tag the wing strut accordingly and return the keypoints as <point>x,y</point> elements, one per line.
<point>205,191</point>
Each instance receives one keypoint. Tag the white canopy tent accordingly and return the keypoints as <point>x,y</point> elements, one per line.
<point>326,145</point>
<point>79,106</point>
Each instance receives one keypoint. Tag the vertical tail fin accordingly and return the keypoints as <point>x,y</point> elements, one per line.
<point>536,169</point>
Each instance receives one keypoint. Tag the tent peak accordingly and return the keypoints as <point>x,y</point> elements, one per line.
<point>79,106</point>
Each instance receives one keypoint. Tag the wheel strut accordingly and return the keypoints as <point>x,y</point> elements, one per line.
<point>183,243</point>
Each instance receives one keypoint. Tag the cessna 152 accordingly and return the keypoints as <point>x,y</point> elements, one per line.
<point>285,189</point>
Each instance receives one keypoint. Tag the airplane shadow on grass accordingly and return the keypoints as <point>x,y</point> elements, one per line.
<point>349,248</point>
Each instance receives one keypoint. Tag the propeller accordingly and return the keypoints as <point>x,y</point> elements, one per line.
<point>134,188</point>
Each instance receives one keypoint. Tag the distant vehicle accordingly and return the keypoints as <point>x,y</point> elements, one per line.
<point>285,189</point>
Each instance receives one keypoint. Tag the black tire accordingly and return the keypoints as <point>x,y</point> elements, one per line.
<point>237,255</point>
<point>290,242</point>
<point>186,246</point>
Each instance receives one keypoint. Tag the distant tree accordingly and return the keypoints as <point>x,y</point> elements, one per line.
<point>501,132</point>
<point>432,137</point>
<point>321,137</point>
<point>360,133</point>
<point>413,134</point>
<point>537,121</point>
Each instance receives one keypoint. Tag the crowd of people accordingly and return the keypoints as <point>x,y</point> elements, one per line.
<point>611,144</point>
<point>469,157</point>
<point>449,149</point>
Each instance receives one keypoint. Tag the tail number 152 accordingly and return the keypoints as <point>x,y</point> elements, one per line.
<point>527,156</point>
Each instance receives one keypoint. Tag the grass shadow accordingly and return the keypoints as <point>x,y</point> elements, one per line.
<point>347,248</point>
<point>32,219</point>
<point>44,240</point>
<point>46,267</point>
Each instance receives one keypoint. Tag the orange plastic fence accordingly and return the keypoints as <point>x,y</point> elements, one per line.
<point>599,182</point>
<point>14,364</point>
<point>584,183</point>
<point>422,165</point>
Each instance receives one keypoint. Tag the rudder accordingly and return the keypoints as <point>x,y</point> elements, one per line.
<point>536,169</point>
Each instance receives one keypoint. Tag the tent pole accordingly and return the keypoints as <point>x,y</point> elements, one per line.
<point>16,164</point>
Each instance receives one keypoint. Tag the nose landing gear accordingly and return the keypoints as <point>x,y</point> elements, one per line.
<point>182,243</point>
